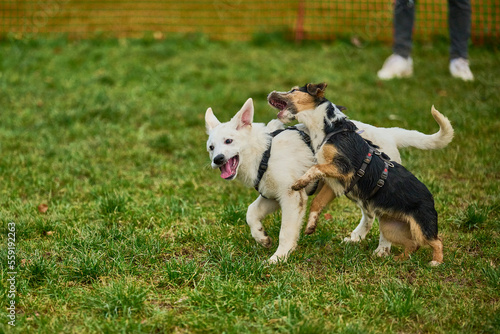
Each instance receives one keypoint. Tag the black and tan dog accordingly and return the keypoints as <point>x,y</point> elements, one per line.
<point>352,165</point>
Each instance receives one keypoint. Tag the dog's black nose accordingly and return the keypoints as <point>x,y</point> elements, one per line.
<point>218,160</point>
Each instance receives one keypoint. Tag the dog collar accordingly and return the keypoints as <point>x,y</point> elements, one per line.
<point>330,135</point>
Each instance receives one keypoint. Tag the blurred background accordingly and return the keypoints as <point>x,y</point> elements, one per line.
<point>123,227</point>
<point>236,20</point>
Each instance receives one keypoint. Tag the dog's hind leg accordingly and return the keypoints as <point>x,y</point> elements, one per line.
<point>293,209</point>
<point>399,232</point>
<point>434,242</point>
<point>259,209</point>
<point>325,196</point>
<point>437,252</point>
<point>363,227</point>
<point>384,246</point>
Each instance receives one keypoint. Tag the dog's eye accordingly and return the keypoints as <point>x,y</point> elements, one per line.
<point>228,141</point>
<point>211,147</point>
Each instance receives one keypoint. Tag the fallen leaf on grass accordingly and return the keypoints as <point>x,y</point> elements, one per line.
<point>328,216</point>
<point>42,208</point>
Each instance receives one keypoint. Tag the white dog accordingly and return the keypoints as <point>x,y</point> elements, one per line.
<point>271,158</point>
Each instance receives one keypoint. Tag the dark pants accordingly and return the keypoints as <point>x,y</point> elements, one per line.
<point>459,22</point>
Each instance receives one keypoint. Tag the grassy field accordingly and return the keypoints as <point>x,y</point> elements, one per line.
<point>138,234</point>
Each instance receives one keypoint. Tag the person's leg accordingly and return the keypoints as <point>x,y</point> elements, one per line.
<point>404,17</point>
<point>400,64</point>
<point>459,22</point>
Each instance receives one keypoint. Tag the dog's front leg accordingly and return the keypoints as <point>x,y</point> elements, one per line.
<point>293,209</point>
<point>317,172</point>
<point>325,196</point>
<point>259,209</point>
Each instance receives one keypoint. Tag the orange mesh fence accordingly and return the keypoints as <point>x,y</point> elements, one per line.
<point>235,20</point>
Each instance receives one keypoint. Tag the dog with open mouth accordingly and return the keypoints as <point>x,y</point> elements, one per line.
<point>353,166</point>
<point>269,158</point>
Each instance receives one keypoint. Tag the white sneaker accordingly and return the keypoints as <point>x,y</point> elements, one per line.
<point>459,68</point>
<point>396,67</point>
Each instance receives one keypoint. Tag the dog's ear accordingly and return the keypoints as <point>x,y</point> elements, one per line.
<point>341,108</point>
<point>244,117</point>
<point>210,120</point>
<point>317,90</point>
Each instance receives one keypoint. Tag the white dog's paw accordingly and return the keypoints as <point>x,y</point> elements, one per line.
<point>353,238</point>
<point>266,242</point>
<point>434,263</point>
<point>273,260</point>
<point>382,251</point>
<point>277,258</point>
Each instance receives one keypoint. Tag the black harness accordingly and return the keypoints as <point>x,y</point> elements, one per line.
<point>330,135</point>
<point>361,171</point>
<point>267,154</point>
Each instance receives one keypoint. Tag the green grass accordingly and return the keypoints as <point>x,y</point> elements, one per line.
<point>141,235</point>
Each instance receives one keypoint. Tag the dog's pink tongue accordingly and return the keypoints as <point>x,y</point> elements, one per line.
<point>225,170</point>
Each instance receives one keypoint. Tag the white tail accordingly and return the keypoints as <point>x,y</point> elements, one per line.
<point>413,138</point>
